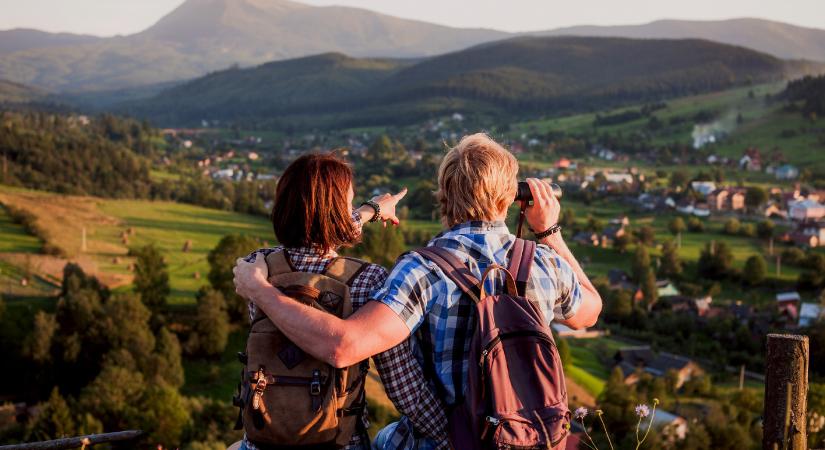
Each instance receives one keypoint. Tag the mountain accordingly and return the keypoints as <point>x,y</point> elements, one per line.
<point>775,38</point>
<point>525,75</point>
<point>21,39</point>
<point>11,92</point>
<point>207,35</point>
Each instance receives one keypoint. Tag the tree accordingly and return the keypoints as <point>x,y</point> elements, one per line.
<point>695,225</point>
<point>679,179</point>
<point>755,197</point>
<point>211,328</point>
<point>765,229</point>
<point>677,226</point>
<point>151,278</point>
<point>671,266</point>
<point>382,245</point>
<point>814,274</point>
<point>620,305</point>
<point>221,261</point>
<point>650,291</point>
<point>168,366</point>
<point>645,235</point>
<point>38,344</point>
<point>54,421</point>
<point>622,242</point>
<point>641,263</point>
<point>732,226</point>
<point>422,201</point>
<point>715,260</point>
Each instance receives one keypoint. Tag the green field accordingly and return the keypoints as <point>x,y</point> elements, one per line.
<point>169,225</point>
<point>588,368</point>
<point>14,238</point>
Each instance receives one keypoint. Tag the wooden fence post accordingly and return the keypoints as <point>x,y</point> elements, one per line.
<point>786,393</point>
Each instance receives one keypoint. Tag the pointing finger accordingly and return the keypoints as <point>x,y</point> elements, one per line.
<point>401,194</point>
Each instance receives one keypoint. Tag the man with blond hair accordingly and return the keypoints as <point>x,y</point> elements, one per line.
<point>477,182</point>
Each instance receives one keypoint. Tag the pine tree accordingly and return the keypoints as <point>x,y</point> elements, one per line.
<point>649,289</point>
<point>755,270</point>
<point>211,328</point>
<point>641,263</point>
<point>151,278</point>
<point>54,421</point>
<point>671,266</point>
<point>221,261</point>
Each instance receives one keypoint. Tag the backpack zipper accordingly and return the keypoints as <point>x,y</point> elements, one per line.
<point>539,334</point>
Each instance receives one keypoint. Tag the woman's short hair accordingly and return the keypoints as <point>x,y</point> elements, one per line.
<point>476,180</point>
<point>311,207</point>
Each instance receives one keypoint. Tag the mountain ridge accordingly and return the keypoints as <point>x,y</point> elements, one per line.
<point>523,74</point>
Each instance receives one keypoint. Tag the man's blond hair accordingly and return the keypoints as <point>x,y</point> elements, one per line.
<point>476,181</point>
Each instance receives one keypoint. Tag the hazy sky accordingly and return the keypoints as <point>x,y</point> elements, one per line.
<point>109,17</point>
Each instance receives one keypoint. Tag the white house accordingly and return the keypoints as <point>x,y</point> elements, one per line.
<point>806,210</point>
<point>703,187</point>
<point>786,172</point>
<point>810,313</point>
<point>619,178</point>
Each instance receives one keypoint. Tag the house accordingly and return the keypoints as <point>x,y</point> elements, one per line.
<point>681,303</point>
<point>807,209</point>
<point>587,238</point>
<point>563,164</point>
<point>727,199</point>
<point>610,234</point>
<point>664,288</point>
<point>751,160</point>
<point>701,210</point>
<point>624,221</point>
<point>808,234</point>
<point>632,360</point>
<point>809,313</point>
<point>618,178</point>
<point>786,172</point>
<point>619,279</point>
<point>703,187</point>
<point>671,427</point>
<point>773,210</point>
<point>787,304</point>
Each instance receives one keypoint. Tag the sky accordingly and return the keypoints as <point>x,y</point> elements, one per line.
<point>111,17</point>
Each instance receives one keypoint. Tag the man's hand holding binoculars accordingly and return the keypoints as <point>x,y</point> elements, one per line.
<point>544,212</point>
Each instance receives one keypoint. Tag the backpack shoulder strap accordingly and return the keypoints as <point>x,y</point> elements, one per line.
<point>454,268</point>
<point>521,263</point>
<point>344,269</point>
<point>279,263</point>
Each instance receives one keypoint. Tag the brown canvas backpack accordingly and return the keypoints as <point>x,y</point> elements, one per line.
<point>287,398</point>
<point>515,396</point>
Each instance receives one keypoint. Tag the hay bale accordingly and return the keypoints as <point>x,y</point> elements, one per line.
<point>116,260</point>
<point>24,282</point>
<point>197,275</point>
<point>187,246</point>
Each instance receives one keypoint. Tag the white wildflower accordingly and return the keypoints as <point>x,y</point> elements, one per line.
<point>642,411</point>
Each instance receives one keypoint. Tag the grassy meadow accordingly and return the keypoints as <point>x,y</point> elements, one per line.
<point>113,226</point>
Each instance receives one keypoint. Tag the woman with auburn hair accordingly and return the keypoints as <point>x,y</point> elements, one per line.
<point>312,218</point>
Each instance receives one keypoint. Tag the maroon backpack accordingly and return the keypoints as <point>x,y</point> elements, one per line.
<point>515,396</point>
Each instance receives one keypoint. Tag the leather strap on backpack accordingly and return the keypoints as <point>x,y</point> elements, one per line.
<point>454,268</point>
<point>522,255</point>
<point>344,269</point>
<point>278,263</point>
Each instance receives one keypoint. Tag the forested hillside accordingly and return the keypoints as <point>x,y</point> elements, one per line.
<point>519,76</point>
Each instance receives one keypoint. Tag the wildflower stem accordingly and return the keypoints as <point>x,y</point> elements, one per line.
<point>593,446</point>
<point>609,442</point>
<point>649,425</point>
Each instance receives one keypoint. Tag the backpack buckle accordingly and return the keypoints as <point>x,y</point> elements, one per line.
<point>315,385</point>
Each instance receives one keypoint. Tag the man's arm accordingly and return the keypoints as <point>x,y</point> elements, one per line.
<point>541,215</point>
<point>339,342</point>
<point>591,303</point>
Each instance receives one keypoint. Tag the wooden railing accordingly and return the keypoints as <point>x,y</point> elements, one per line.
<point>78,441</point>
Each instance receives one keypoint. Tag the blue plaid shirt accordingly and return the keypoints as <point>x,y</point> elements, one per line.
<point>442,319</point>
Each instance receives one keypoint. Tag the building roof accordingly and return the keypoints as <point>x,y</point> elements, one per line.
<point>631,358</point>
<point>788,297</point>
<point>809,313</point>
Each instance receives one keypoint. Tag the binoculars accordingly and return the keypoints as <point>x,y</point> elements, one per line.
<point>524,194</point>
